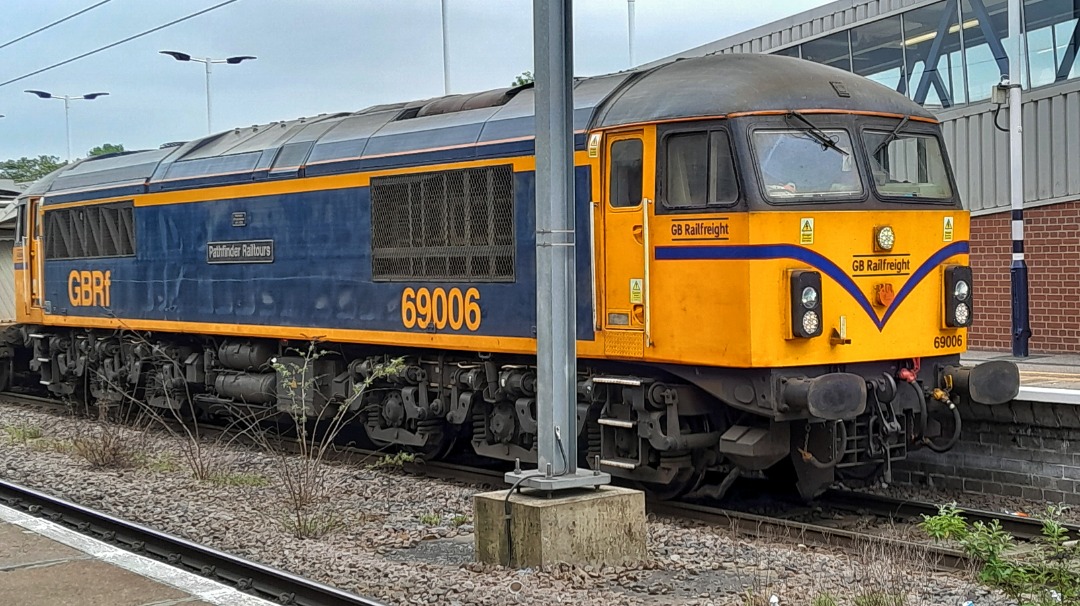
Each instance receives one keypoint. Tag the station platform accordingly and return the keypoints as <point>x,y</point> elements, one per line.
<point>45,564</point>
<point>1051,378</point>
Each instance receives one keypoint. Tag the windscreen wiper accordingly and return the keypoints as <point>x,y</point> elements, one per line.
<point>818,135</point>
<point>891,136</point>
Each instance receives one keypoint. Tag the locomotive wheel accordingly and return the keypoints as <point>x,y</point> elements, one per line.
<point>861,476</point>
<point>685,481</point>
<point>436,448</point>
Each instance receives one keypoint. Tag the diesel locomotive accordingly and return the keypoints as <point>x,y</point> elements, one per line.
<point>772,274</point>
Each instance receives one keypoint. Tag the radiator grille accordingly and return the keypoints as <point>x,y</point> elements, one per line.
<point>442,226</point>
<point>83,232</point>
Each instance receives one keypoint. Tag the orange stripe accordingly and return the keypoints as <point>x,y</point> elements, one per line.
<point>508,345</point>
<point>286,186</point>
<point>854,112</point>
<point>776,112</point>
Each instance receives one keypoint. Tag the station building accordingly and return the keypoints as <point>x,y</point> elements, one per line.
<point>947,55</point>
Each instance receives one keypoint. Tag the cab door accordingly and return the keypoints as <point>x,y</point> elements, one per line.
<point>35,264</point>
<point>628,189</point>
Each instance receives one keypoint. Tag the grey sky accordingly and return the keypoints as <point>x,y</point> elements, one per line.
<point>314,56</point>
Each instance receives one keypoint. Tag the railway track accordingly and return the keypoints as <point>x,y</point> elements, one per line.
<point>250,577</point>
<point>1021,527</point>
<point>744,523</point>
<point>769,527</point>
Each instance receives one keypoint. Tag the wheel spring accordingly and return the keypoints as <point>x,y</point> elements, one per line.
<point>479,425</point>
<point>592,429</point>
<point>429,426</point>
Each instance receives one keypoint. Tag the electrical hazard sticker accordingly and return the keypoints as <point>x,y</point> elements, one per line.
<point>947,232</point>
<point>806,231</point>
<point>637,288</point>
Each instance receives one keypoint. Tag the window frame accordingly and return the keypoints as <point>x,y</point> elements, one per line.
<point>908,130</point>
<point>825,125</point>
<point>617,138</point>
<point>662,167</point>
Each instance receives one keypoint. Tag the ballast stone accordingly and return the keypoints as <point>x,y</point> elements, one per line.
<point>584,527</point>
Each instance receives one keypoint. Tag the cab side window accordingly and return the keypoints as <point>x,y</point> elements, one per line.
<point>699,170</point>
<point>626,173</point>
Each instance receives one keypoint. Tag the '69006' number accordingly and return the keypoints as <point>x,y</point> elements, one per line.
<point>948,341</point>
<point>423,308</point>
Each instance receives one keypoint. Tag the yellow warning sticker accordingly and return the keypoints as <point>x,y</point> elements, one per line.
<point>637,287</point>
<point>594,145</point>
<point>806,231</point>
<point>948,230</point>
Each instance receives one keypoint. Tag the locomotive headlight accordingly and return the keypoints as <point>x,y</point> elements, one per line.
<point>805,303</point>
<point>962,314</point>
<point>961,290</point>
<point>885,238</point>
<point>958,298</point>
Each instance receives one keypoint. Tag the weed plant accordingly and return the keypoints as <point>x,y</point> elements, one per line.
<point>1048,575</point>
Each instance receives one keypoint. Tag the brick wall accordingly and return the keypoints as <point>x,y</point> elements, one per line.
<point>1022,449</point>
<point>1052,243</point>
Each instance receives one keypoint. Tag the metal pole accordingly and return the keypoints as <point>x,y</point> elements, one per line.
<point>445,52</point>
<point>555,294</point>
<point>630,29</point>
<point>67,124</point>
<point>556,297</point>
<point>1021,326</point>
<point>209,128</point>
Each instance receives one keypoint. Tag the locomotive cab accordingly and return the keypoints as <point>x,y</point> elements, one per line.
<point>808,268</point>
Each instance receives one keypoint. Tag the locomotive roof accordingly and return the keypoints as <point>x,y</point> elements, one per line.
<point>472,126</point>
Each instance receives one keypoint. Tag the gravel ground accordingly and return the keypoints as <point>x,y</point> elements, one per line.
<point>384,550</point>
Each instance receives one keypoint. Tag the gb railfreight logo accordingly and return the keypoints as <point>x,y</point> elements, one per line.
<point>241,251</point>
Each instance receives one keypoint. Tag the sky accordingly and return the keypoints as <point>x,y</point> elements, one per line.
<point>314,56</point>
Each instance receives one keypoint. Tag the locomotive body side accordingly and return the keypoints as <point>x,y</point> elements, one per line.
<point>299,267</point>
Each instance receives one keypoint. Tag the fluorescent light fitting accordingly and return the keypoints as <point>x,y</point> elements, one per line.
<point>970,23</point>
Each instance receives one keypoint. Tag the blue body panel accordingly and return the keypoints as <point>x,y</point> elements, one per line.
<point>321,273</point>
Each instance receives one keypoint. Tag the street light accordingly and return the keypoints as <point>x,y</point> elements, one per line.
<point>207,61</point>
<point>67,109</point>
<point>445,51</point>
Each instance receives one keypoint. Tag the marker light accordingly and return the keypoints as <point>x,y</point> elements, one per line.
<point>885,238</point>
<point>958,298</point>
<point>805,303</point>
<point>962,314</point>
<point>961,290</point>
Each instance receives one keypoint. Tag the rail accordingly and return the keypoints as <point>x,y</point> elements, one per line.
<point>1021,527</point>
<point>250,577</point>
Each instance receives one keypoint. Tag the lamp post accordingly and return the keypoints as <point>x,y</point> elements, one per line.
<point>1018,269</point>
<point>67,109</point>
<point>208,62</point>
<point>630,30</point>
<point>445,51</point>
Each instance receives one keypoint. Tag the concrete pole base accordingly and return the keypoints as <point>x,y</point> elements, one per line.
<point>595,527</point>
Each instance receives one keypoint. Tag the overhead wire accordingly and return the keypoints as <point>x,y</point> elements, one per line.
<point>53,24</point>
<point>119,42</point>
